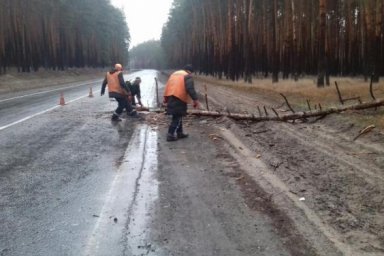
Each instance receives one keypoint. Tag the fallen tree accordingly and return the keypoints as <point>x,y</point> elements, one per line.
<point>303,115</point>
<point>293,116</point>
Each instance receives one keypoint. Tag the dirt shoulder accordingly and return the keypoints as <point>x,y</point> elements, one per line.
<point>336,182</point>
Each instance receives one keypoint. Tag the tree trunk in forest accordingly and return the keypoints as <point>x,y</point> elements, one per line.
<point>275,53</point>
<point>378,39</point>
<point>321,51</point>
<point>295,52</point>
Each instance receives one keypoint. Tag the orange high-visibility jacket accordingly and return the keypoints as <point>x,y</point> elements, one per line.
<point>114,83</point>
<point>176,86</point>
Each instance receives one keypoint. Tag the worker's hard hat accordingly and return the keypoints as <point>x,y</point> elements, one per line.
<point>118,67</point>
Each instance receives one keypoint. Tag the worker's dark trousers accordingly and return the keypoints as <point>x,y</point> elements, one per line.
<point>133,101</point>
<point>176,125</point>
<point>122,103</point>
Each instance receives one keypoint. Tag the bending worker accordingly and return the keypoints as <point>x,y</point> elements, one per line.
<point>117,89</point>
<point>179,91</point>
<point>134,87</point>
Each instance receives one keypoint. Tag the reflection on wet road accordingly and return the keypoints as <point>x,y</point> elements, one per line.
<point>129,200</point>
<point>133,191</point>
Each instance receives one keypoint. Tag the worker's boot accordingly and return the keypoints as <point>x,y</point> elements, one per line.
<point>116,118</point>
<point>133,113</point>
<point>182,135</point>
<point>170,137</point>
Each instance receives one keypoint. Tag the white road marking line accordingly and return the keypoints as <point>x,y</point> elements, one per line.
<point>39,113</point>
<point>26,118</point>
<point>47,110</point>
<point>32,94</point>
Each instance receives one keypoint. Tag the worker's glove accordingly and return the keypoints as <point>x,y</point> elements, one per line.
<point>195,104</point>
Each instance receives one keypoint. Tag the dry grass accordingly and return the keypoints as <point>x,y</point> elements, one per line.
<point>305,89</point>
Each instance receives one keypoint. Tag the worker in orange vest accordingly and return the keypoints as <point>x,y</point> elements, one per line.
<point>179,91</point>
<point>118,90</point>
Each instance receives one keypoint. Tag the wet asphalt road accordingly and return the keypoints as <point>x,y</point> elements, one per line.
<point>65,184</point>
<point>74,183</point>
<point>18,106</point>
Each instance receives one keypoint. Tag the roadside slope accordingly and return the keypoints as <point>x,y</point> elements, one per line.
<point>340,180</point>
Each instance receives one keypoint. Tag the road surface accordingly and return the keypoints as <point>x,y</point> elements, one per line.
<point>74,183</point>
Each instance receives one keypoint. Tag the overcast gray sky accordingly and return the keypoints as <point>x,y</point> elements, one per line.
<point>145,18</point>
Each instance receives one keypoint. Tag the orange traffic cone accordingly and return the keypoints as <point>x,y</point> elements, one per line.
<point>90,92</point>
<point>62,101</point>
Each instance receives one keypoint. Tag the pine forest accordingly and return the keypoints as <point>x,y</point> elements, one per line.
<point>60,34</point>
<point>241,38</point>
